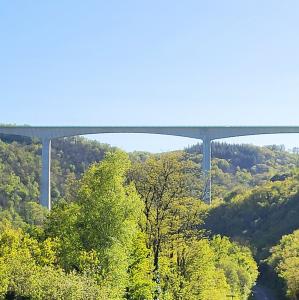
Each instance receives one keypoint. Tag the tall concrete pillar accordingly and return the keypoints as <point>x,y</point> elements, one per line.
<point>46,174</point>
<point>206,167</point>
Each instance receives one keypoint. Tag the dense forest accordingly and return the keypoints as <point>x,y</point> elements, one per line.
<point>133,226</point>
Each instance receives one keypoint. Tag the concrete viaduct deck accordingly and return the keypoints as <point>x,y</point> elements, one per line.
<point>204,133</point>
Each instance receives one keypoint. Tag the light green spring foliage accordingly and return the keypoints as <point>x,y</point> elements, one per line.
<point>164,183</point>
<point>285,260</point>
<point>107,243</point>
<point>20,165</point>
<point>192,274</point>
<point>233,166</point>
<point>27,270</point>
<point>207,269</point>
<point>141,285</point>
<point>260,216</point>
<point>98,233</point>
<point>203,279</point>
<point>187,265</point>
<point>19,171</point>
<point>239,267</point>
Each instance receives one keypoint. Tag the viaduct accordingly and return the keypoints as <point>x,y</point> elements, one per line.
<point>205,133</point>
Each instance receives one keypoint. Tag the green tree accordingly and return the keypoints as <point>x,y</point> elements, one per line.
<point>27,270</point>
<point>203,279</point>
<point>97,231</point>
<point>165,184</point>
<point>239,267</point>
<point>285,260</point>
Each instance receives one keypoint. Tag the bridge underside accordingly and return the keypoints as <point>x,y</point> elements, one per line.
<point>204,133</point>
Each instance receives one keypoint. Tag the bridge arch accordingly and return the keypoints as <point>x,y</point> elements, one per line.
<point>206,133</point>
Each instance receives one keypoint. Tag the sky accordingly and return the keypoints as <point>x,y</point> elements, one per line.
<point>151,62</point>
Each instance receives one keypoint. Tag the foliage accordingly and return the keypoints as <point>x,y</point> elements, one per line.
<point>260,216</point>
<point>96,232</point>
<point>234,167</point>
<point>186,266</point>
<point>241,167</point>
<point>238,265</point>
<point>128,248</point>
<point>285,260</point>
<point>162,182</point>
<point>27,269</point>
<point>20,167</point>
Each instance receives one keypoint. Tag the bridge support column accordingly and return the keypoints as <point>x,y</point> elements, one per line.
<point>206,167</point>
<point>45,199</point>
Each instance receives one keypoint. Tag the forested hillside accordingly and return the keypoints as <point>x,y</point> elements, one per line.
<point>134,226</point>
<point>236,168</point>
<point>20,165</point>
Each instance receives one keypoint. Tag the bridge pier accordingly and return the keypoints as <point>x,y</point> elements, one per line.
<point>206,167</point>
<point>206,133</point>
<point>45,198</point>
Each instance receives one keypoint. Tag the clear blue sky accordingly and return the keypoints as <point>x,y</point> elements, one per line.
<point>151,63</point>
